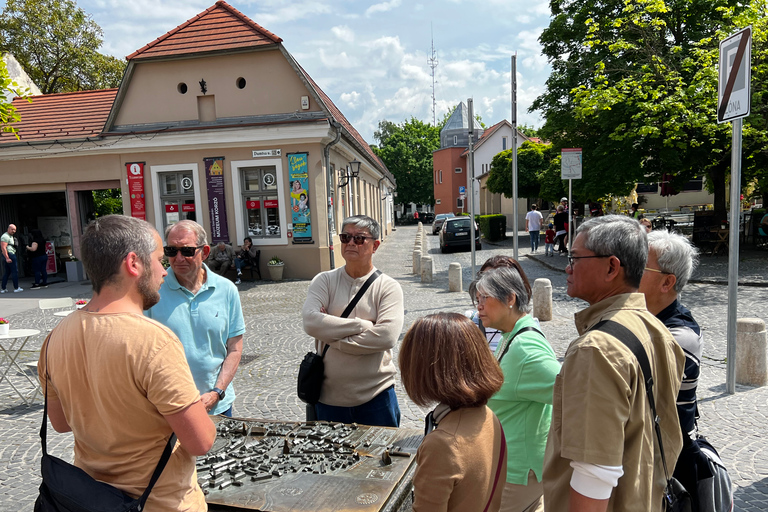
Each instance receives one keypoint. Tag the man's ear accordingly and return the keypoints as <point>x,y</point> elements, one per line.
<point>668,284</point>
<point>206,251</point>
<point>133,264</point>
<point>376,244</point>
<point>614,268</point>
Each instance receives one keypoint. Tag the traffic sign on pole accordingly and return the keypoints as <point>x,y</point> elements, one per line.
<point>734,76</point>
<point>570,163</point>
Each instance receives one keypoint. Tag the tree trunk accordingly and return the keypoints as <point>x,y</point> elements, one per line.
<point>717,175</point>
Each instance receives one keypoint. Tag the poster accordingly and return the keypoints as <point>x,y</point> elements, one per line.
<point>217,207</point>
<point>50,265</point>
<point>300,207</point>
<point>135,172</point>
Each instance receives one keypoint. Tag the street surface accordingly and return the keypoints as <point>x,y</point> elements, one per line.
<point>737,425</point>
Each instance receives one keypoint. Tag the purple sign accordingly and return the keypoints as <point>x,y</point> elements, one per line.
<point>217,207</point>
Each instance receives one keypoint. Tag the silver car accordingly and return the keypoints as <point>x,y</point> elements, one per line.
<point>438,222</point>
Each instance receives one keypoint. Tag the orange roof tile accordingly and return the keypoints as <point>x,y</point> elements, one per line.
<point>220,27</point>
<point>73,115</point>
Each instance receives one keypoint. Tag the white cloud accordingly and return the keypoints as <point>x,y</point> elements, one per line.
<point>343,33</point>
<point>351,99</point>
<point>382,7</point>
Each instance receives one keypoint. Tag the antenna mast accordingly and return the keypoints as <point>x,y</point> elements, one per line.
<point>432,61</point>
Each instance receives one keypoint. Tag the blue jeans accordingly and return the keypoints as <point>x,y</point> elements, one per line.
<point>534,240</point>
<point>241,263</point>
<point>227,413</point>
<point>12,271</point>
<point>39,269</point>
<point>381,411</point>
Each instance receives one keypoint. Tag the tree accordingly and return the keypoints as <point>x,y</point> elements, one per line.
<point>406,149</point>
<point>108,201</point>
<point>528,131</point>
<point>8,89</point>
<point>634,85</point>
<point>533,161</point>
<point>56,42</point>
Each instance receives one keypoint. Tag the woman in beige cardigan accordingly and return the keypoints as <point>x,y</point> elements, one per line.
<point>462,460</point>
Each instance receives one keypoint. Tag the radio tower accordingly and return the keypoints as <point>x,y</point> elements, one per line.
<point>432,61</point>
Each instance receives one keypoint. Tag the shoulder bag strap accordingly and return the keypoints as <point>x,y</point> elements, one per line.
<point>502,452</point>
<point>524,329</point>
<point>629,339</point>
<point>166,455</point>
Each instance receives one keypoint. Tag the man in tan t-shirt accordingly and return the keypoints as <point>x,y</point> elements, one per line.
<point>602,452</point>
<point>119,381</point>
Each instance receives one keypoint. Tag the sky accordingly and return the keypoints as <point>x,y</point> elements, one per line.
<point>371,57</point>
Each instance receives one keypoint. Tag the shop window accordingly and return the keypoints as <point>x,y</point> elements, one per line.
<point>177,196</point>
<point>260,201</point>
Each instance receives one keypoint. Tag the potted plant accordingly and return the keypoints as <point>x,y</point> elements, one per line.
<point>275,266</point>
<point>80,303</point>
<point>4,326</point>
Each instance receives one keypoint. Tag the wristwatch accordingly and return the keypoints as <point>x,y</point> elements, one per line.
<point>219,392</point>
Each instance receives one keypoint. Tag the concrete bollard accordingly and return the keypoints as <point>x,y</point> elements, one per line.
<point>421,227</point>
<point>454,277</point>
<point>417,262</point>
<point>426,269</point>
<point>751,352</point>
<point>542,299</point>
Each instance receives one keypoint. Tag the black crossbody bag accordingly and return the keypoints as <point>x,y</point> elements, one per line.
<point>67,488</point>
<point>312,369</point>
<point>676,498</point>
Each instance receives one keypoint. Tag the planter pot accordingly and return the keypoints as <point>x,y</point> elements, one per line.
<point>75,271</point>
<point>4,328</point>
<point>276,271</point>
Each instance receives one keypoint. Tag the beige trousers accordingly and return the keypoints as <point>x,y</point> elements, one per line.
<point>523,498</point>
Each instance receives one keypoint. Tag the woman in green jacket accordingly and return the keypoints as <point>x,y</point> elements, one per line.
<point>524,402</point>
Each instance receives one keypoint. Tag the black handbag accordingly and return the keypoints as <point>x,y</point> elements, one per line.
<point>676,498</point>
<point>67,488</point>
<point>312,369</point>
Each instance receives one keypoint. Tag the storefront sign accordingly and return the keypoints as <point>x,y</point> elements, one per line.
<point>271,203</point>
<point>266,152</point>
<point>50,267</point>
<point>217,207</point>
<point>300,211</point>
<point>253,205</point>
<point>188,207</point>
<point>135,173</point>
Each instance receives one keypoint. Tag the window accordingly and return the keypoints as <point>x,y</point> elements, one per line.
<point>457,170</point>
<point>259,194</point>
<point>441,175</point>
<point>455,140</point>
<point>503,143</point>
<point>696,184</point>
<point>177,192</point>
<point>647,188</point>
<point>437,201</point>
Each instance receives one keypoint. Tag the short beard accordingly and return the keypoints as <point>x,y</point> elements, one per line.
<point>149,297</point>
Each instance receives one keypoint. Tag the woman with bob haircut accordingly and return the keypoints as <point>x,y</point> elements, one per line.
<point>524,402</point>
<point>444,358</point>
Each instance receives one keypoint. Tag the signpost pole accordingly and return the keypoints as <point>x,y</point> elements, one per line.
<point>513,76</point>
<point>733,255</point>
<point>570,229</point>
<point>471,180</point>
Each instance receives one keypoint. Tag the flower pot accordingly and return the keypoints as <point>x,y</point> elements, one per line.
<point>276,271</point>
<point>4,328</point>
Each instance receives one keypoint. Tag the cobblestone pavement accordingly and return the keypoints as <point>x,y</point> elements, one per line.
<point>275,344</point>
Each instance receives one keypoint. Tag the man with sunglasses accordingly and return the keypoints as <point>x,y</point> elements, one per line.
<point>671,261</point>
<point>359,385</point>
<point>602,452</point>
<point>204,311</point>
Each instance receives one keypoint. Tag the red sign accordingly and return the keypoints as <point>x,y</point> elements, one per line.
<point>270,203</point>
<point>170,208</point>
<point>253,205</point>
<point>188,207</point>
<point>136,189</point>
<point>50,267</point>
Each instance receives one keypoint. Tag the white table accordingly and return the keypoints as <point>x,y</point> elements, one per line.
<point>64,313</point>
<point>11,345</point>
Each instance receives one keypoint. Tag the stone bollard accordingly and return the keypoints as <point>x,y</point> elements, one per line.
<point>751,352</point>
<point>421,227</point>
<point>454,277</point>
<point>426,269</point>
<point>542,299</point>
<point>417,262</point>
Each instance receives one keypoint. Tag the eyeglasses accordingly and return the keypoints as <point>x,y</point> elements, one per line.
<point>359,239</point>
<point>187,252</point>
<point>571,258</point>
<point>657,271</point>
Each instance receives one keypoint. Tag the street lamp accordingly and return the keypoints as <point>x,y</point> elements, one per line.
<point>349,172</point>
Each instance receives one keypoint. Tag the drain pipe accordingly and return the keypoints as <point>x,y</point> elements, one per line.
<point>382,221</point>
<point>330,192</point>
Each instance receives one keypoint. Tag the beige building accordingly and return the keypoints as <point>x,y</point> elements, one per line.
<point>214,121</point>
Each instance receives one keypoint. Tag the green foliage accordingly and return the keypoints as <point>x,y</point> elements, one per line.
<point>533,161</point>
<point>107,202</point>
<point>634,84</point>
<point>56,42</point>
<point>9,88</point>
<point>406,149</point>
<point>492,227</point>
<point>528,131</point>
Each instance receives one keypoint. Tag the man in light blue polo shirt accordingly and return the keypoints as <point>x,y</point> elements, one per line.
<point>203,310</point>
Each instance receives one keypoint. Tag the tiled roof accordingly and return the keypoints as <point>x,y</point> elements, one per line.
<point>73,115</point>
<point>220,27</point>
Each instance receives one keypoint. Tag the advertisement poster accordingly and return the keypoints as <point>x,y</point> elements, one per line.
<point>300,207</point>
<point>50,267</point>
<point>136,189</point>
<point>217,207</point>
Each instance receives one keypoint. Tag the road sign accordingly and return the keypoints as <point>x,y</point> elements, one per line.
<point>462,190</point>
<point>570,163</point>
<point>734,76</point>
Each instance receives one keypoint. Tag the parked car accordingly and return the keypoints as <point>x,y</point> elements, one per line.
<point>438,222</point>
<point>427,218</point>
<point>455,233</point>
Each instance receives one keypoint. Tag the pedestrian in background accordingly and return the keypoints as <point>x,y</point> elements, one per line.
<point>524,402</point>
<point>222,258</point>
<point>39,258</point>
<point>8,245</point>
<point>549,240</point>
<point>561,229</point>
<point>444,359</point>
<point>533,220</point>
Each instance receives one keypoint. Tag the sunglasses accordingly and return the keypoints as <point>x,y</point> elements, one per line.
<point>359,239</point>
<point>187,252</point>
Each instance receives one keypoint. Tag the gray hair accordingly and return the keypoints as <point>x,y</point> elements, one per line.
<point>618,236</point>
<point>560,208</point>
<point>501,284</point>
<point>363,222</point>
<point>108,240</point>
<point>191,226</point>
<point>676,255</point>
